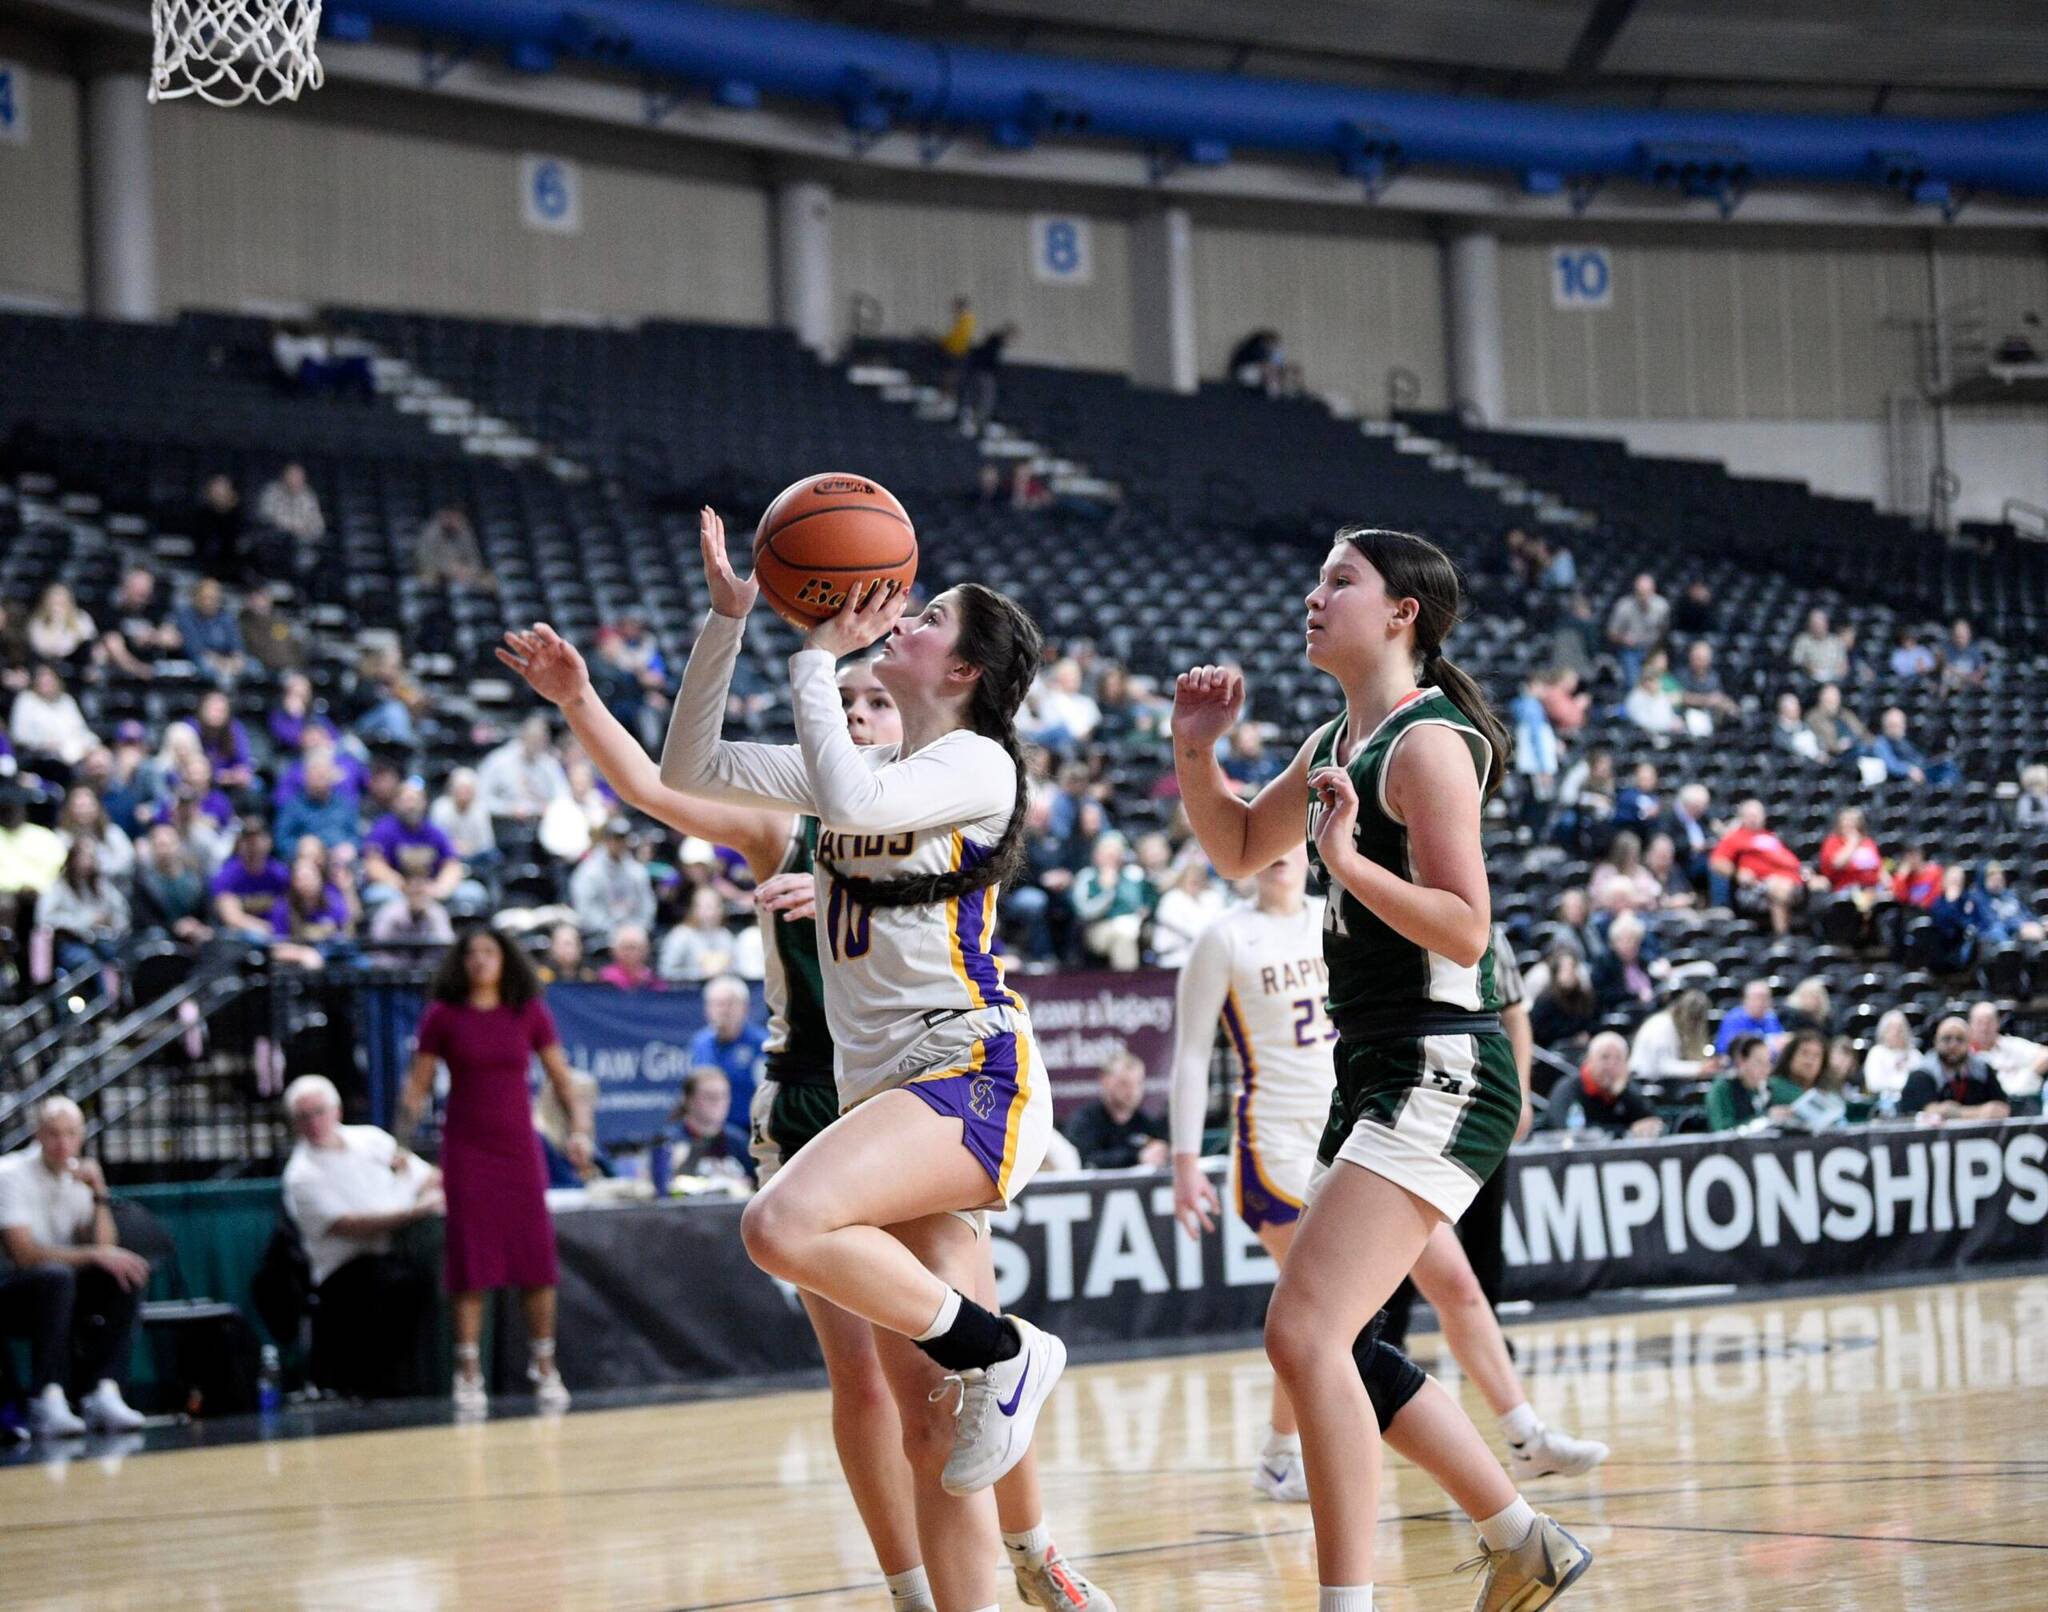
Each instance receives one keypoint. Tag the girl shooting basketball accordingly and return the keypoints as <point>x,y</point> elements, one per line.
<point>1427,1097</point>
<point>798,1099</point>
<point>946,1109</point>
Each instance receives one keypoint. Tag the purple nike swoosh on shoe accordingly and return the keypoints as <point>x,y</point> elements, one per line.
<point>1016,1394</point>
<point>1279,1476</point>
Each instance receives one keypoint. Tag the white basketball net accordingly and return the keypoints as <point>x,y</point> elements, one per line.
<point>231,51</point>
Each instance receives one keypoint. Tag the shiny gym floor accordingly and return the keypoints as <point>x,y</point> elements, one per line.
<point>1880,1452</point>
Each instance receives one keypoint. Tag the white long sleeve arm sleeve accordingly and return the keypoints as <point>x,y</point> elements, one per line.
<point>956,779</point>
<point>696,761</point>
<point>1198,1003</point>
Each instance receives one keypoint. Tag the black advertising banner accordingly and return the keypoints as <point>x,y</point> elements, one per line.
<point>663,1293</point>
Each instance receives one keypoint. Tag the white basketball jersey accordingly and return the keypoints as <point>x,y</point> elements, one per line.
<point>1263,976</point>
<point>891,974</point>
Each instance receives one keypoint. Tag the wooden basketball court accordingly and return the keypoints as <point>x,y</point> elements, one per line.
<point>1880,1452</point>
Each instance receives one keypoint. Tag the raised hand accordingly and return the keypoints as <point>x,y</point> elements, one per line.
<point>1206,703</point>
<point>552,666</point>
<point>731,594</point>
<point>870,610</point>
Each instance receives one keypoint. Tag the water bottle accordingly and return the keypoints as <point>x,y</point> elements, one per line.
<point>269,1393</point>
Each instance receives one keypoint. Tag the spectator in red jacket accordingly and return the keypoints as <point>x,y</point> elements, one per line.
<point>1758,870</point>
<point>1917,881</point>
<point>1849,857</point>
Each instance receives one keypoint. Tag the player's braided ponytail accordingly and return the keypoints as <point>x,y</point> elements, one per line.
<point>997,636</point>
<point>1415,568</point>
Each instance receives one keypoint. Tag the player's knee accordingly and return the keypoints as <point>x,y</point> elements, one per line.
<point>774,1233</point>
<point>1391,1380</point>
<point>1458,1290</point>
<point>1294,1339</point>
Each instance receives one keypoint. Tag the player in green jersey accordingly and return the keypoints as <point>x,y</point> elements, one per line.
<point>1427,1098</point>
<point>798,1099</point>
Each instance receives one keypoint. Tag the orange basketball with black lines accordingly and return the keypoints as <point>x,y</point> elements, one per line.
<point>822,536</point>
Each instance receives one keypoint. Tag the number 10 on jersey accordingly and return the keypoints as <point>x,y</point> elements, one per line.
<point>846,924</point>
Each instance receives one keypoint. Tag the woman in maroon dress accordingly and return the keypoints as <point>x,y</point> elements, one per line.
<point>486,1021</point>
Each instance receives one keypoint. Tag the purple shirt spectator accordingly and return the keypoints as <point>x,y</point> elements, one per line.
<point>291,782</point>
<point>289,731</point>
<point>229,754</point>
<point>333,910</point>
<point>419,848</point>
<point>260,891</point>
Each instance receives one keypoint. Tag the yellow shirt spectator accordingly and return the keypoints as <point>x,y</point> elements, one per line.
<point>959,339</point>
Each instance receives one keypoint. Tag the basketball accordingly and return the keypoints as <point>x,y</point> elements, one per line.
<point>824,534</point>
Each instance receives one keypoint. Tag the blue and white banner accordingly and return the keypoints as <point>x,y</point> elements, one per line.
<point>636,1045</point>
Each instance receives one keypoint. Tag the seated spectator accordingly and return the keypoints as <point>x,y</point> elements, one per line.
<point>417,918</point>
<point>1963,662</point>
<point>1892,1057</point>
<point>1109,898</point>
<point>1849,858</point>
<point>1249,763</point>
<point>562,963</point>
<point>1585,799</point>
<point>1693,835</point>
<point>700,947</point>
<point>224,741</point>
<point>1821,653</point>
<point>523,774</point>
<point>1952,1082</point>
<point>575,821</point>
<point>1566,1011</point>
<point>567,1133</point>
<point>171,894</point>
<point>1058,712</point>
<point>218,525</point>
<point>1911,659</point>
<point>1623,975</point>
<point>1700,688</point>
<point>58,631</point>
<point>85,910</point>
<point>1674,889</point>
<point>1563,701</point>
<point>66,1284</point>
<point>274,642</point>
<point>350,1189</point>
<point>1637,804</point>
<point>447,554</point>
<point>1191,901</point>
<point>1621,883</point>
<point>293,713</point>
<point>1600,1097</point>
<point>141,634</point>
<point>1258,363</point>
<point>1694,612</point>
<point>1995,914</point>
<point>1917,881</point>
<point>211,635</point>
<point>1789,733</point>
<point>2020,1065</point>
<point>392,701</point>
<point>1904,761</point>
<point>289,505</point>
<point>628,969</point>
<point>1636,625</point>
<point>404,843</point>
<point>1114,1132</point>
<point>1808,1006</point>
<point>1651,707</point>
<point>1574,917</point>
<point>705,1143</point>
<point>47,727</point>
<point>2030,810</point>
<point>1755,1016</point>
<point>1752,1089</point>
<point>1539,756</point>
<point>312,912</point>
<point>132,782</point>
<point>1560,569</point>
<point>1755,872</point>
<point>1955,945</point>
<point>458,812</point>
<point>611,886</point>
<point>322,808</point>
<point>1673,1043</point>
<point>249,887</point>
<point>1837,730</point>
<point>730,1039</point>
<point>84,818</point>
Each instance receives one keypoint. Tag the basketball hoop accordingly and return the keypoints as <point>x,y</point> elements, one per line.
<point>231,51</point>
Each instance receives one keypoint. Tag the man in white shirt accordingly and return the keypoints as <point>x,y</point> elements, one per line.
<point>349,1188</point>
<point>65,1282</point>
<point>2020,1064</point>
<point>523,774</point>
<point>611,887</point>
